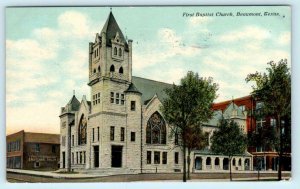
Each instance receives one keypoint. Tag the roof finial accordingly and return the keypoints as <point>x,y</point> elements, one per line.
<point>110,9</point>
<point>73,92</point>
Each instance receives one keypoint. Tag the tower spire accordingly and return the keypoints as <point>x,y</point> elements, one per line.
<point>110,9</point>
<point>73,92</point>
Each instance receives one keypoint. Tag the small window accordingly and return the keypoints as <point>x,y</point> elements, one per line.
<point>84,157</point>
<point>122,99</point>
<point>156,157</point>
<point>132,136</point>
<point>98,132</point>
<point>208,161</point>
<point>176,159</point>
<point>217,161</point>
<point>112,133</point>
<point>72,160</point>
<point>120,52</point>
<point>37,164</point>
<point>112,68</point>
<point>112,99</point>
<point>53,149</point>
<point>99,69</point>
<point>117,98</point>
<point>80,158</point>
<point>93,134</point>
<point>37,148</point>
<point>94,70</point>
<point>240,162</point>
<point>132,105</point>
<point>273,122</point>
<point>122,133</point>
<point>121,70</point>
<point>115,51</point>
<point>164,158</point>
<point>148,157</point>
<point>77,158</point>
<point>233,162</point>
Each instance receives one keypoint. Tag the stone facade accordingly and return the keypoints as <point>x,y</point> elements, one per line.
<point>121,130</point>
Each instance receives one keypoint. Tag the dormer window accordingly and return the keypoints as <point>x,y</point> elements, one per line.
<point>118,46</point>
<point>112,68</point>
<point>121,70</point>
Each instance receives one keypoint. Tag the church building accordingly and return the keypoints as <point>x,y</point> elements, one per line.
<point>121,130</point>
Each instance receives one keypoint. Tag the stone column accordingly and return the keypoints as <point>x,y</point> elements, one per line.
<point>204,163</point>
<point>243,164</point>
<point>221,163</point>
<point>213,163</point>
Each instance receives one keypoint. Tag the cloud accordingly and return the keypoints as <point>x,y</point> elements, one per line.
<point>168,45</point>
<point>196,20</point>
<point>39,68</point>
<point>246,33</point>
<point>284,38</point>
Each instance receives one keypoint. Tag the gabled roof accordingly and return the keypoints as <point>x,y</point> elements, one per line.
<point>111,28</point>
<point>233,110</point>
<point>149,88</point>
<point>132,89</point>
<point>73,104</point>
<point>215,120</point>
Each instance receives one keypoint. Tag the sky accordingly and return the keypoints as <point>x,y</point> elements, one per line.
<point>47,52</point>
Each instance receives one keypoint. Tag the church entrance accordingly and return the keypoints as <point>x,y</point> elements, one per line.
<point>96,156</point>
<point>116,156</point>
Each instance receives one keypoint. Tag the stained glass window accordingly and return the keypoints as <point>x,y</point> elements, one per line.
<point>82,130</point>
<point>156,130</point>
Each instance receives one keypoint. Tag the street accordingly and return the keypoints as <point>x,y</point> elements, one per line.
<point>171,177</point>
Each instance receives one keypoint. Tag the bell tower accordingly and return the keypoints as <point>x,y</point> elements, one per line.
<point>110,55</point>
<point>110,67</point>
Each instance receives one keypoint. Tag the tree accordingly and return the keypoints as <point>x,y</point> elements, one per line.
<point>196,140</point>
<point>187,106</point>
<point>229,140</point>
<point>273,89</point>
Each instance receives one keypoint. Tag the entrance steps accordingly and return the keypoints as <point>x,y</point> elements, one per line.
<point>108,171</point>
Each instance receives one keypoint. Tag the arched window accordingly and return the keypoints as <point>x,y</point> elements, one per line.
<point>115,51</point>
<point>120,52</point>
<point>112,68</point>
<point>217,161</point>
<point>121,70</point>
<point>233,162</point>
<point>208,161</point>
<point>99,69</point>
<point>240,162</point>
<point>82,128</point>
<point>94,70</point>
<point>156,130</point>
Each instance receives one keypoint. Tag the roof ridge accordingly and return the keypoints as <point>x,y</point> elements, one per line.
<point>153,80</point>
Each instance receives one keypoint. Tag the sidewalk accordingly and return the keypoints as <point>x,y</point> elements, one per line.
<point>56,174</point>
<point>141,177</point>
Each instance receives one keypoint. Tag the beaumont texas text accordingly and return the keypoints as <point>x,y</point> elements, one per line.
<point>200,14</point>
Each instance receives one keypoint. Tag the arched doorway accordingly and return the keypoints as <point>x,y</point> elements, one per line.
<point>225,164</point>
<point>247,164</point>
<point>198,163</point>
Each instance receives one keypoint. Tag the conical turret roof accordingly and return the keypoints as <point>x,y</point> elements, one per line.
<point>111,28</point>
